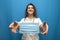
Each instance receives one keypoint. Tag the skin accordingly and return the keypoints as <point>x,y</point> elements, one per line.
<point>30,10</point>
<point>44,27</point>
<point>14,26</point>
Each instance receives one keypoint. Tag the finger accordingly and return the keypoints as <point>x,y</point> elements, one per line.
<point>10,26</point>
<point>15,23</point>
<point>44,23</point>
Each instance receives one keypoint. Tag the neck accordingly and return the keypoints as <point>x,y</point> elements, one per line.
<point>30,16</point>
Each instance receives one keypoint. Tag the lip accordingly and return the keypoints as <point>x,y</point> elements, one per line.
<point>30,10</point>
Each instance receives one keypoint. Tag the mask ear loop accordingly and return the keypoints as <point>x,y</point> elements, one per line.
<point>33,20</point>
<point>24,19</point>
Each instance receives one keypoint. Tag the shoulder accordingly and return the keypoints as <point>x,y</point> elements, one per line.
<point>38,18</point>
<point>22,18</point>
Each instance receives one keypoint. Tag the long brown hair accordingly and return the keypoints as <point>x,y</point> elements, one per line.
<point>26,13</point>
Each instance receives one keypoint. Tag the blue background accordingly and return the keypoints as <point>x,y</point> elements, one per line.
<point>47,10</point>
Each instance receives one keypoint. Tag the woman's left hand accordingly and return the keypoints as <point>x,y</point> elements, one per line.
<point>44,27</point>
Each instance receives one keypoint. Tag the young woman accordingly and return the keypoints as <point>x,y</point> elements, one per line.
<point>30,17</point>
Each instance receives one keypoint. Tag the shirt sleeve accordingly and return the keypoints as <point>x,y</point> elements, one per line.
<point>39,21</point>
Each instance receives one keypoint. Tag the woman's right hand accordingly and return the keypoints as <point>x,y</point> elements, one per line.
<point>14,26</point>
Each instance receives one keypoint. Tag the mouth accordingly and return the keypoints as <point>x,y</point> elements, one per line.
<point>30,10</point>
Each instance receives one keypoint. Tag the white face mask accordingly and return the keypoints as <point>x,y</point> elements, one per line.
<point>30,9</point>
